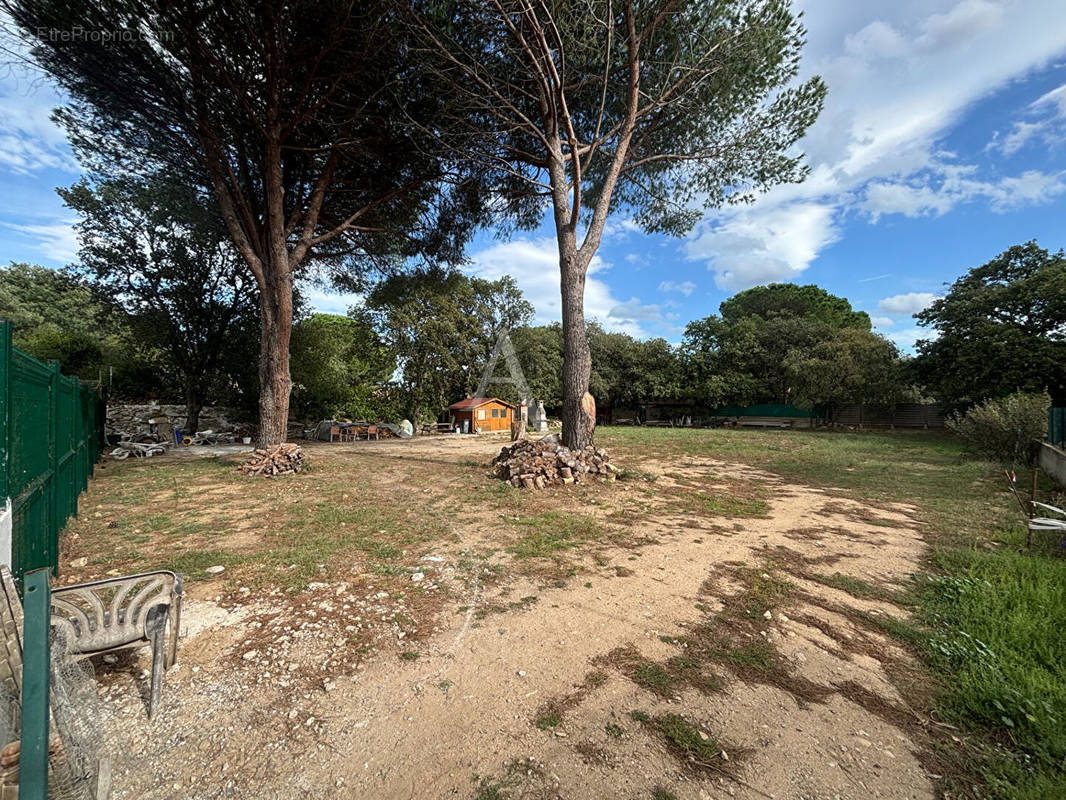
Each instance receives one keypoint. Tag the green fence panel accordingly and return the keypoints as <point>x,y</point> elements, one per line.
<point>1056,426</point>
<point>50,437</point>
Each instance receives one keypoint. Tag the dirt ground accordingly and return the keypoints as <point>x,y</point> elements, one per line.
<point>700,651</point>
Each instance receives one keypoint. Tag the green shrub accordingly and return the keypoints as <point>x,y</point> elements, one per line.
<point>1006,429</point>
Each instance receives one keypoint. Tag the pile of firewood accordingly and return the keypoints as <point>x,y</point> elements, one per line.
<point>280,460</point>
<point>534,464</point>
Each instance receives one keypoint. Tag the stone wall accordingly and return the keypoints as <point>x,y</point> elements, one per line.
<point>133,417</point>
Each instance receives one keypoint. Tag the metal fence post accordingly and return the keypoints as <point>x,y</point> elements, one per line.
<point>5,410</point>
<point>51,553</point>
<point>36,667</point>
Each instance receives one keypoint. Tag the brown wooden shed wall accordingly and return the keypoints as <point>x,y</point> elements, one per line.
<point>486,423</point>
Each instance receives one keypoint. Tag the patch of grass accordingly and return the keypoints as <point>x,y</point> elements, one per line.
<point>486,788</point>
<point>632,474</point>
<point>764,592</point>
<point>410,655</point>
<point>686,739</point>
<point>545,535</point>
<point>639,716</point>
<point>997,628</point>
<point>905,630</point>
<point>192,564</point>
<point>857,587</point>
<point>614,730</point>
<point>758,655</point>
<point>653,677</point>
<point>659,793</point>
<point>547,720</point>
<point>728,505</point>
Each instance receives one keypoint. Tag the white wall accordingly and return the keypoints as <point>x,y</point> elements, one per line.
<point>5,533</point>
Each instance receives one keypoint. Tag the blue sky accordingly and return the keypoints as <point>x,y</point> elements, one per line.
<point>943,142</point>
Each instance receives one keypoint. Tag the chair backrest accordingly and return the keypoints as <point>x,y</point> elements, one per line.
<point>371,430</point>
<point>113,612</point>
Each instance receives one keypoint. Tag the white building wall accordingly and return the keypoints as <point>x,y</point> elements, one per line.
<point>5,533</point>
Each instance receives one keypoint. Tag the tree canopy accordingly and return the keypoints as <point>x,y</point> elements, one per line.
<point>1000,329</point>
<point>161,257</point>
<point>295,115</point>
<point>656,109</point>
<point>55,315</point>
<point>340,368</point>
<point>784,343</point>
<point>442,325</point>
<point>776,300</point>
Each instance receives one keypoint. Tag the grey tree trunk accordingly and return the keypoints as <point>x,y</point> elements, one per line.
<point>578,426</point>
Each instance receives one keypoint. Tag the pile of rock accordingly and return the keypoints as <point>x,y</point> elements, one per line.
<point>535,464</point>
<point>285,458</point>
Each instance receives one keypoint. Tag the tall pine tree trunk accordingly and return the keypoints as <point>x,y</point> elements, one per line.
<point>274,381</point>
<point>578,425</point>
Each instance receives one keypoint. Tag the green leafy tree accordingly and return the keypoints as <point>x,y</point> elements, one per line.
<point>313,125</point>
<point>629,372</point>
<point>55,315</point>
<point>442,326</point>
<point>788,344</point>
<point>340,368</point>
<point>1001,328</point>
<point>540,353</point>
<point>160,254</point>
<point>654,108</point>
<point>850,367</point>
<point>776,300</point>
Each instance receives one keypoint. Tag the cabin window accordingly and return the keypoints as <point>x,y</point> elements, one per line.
<point>503,413</point>
<point>495,413</point>
<point>481,413</point>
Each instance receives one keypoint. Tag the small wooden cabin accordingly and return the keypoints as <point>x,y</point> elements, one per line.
<point>486,413</point>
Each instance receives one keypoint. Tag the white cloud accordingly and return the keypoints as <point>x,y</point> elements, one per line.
<point>944,186</point>
<point>876,40</point>
<point>899,81</point>
<point>534,264</point>
<point>882,322</point>
<point>909,303</point>
<point>619,228</point>
<point>29,140</point>
<point>685,287</point>
<point>762,245</point>
<point>907,199</point>
<point>324,301</point>
<point>55,240</point>
<point>961,24</point>
<point>633,312</point>
<point>905,339</point>
<point>1048,128</point>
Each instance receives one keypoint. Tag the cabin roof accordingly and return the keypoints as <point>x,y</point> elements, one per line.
<point>477,402</point>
